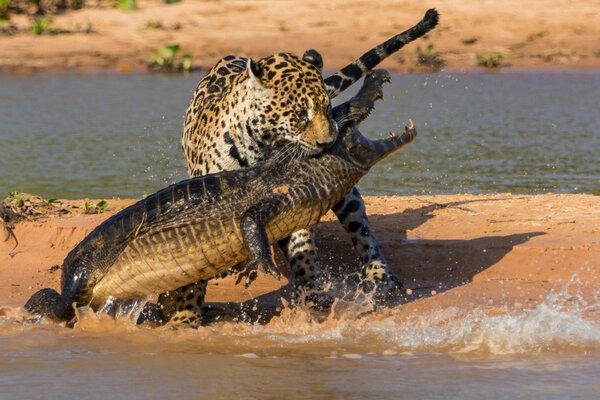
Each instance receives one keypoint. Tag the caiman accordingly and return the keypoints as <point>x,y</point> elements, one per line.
<point>201,227</point>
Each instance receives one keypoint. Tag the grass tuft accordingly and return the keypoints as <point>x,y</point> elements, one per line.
<point>491,60</point>
<point>429,58</point>
<point>167,59</point>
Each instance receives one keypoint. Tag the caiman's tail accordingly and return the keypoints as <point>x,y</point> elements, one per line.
<point>369,152</point>
<point>48,303</point>
<point>351,73</point>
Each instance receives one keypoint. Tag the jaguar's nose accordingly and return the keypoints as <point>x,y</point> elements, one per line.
<point>326,143</point>
<point>333,132</point>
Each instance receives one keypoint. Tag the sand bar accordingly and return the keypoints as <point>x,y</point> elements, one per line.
<point>493,252</point>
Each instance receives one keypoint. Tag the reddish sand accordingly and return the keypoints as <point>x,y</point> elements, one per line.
<point>533,34</point>
<point>490,251</point>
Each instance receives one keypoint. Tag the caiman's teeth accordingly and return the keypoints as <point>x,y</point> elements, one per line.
<point>410,124</point>
<point>392,135</point>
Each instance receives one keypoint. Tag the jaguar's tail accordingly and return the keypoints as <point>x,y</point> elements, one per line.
<point>351,73</point>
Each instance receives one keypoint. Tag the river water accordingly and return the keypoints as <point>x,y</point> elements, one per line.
<point>106,135</point>
<point>549,351</point>
<point>102,135</point>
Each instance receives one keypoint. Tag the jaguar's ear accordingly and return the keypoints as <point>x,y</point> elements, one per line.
<point>313,57</point>
<point>255,74</point>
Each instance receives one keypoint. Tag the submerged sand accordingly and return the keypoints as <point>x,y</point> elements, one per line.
<point>498,253</point>
<point>534,34</point>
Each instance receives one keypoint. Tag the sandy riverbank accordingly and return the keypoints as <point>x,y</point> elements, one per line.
<point>536,34</point>
<point>491,252</point>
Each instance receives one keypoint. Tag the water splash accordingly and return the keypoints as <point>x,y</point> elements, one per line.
<point>559,323</point>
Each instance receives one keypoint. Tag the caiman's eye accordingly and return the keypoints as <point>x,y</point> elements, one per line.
<point>302,116</point>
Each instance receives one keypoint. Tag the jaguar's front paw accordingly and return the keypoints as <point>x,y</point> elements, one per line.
<point>379,280</point>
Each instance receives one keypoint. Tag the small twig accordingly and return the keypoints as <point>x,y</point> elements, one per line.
<point>10,234</point>
<point>9,228</point>
<point>12,254</point>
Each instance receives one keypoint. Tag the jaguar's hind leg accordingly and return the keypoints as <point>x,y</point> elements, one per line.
<point>375,272</point>
<point>183,307</point>
<point>307,277</point>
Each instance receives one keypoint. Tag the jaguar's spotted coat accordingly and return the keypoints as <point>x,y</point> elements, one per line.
<point>241,108</point>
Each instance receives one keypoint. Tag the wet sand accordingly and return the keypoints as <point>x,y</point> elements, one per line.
<point>538,34</point>
<point>497,253</point>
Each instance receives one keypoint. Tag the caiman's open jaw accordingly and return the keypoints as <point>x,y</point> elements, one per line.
<point>367,152</point>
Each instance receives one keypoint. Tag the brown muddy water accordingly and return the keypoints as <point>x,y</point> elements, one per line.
<point>550,351</point>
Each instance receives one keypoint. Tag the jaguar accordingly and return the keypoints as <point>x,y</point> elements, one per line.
<point>241,109</point>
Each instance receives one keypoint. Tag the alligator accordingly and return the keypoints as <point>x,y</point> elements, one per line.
<point>201,227</point>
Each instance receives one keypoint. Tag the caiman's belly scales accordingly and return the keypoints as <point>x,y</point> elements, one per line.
<point>176,257</point>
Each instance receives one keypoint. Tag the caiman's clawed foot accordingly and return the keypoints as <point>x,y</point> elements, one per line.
<point>247,274</point>
<point>361,105</point>
<point>268,267</point>
<point>358,108</point>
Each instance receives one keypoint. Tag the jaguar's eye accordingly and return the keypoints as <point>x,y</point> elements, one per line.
<point>302,116</point>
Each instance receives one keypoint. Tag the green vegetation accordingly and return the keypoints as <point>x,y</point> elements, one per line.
<point>97,208</point>
<point>43,26</point>
<point>171,1</point>
<point>40,26</point>
<point>20,199</point>
<point>154,24</point>
<point>15,197</point>
<point>4,16</point>
<point>429,58</point>
<point>166,59</point>
<point>490,60</point>
<point>127,5</point>
<point>159,24</point>
<point>31,207</point>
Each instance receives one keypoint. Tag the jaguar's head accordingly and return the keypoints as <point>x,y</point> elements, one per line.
<point>290,103</point>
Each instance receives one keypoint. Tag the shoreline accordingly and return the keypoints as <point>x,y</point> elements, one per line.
<point>551,35</point>
<point>507,70</point>
<point>494,253</point>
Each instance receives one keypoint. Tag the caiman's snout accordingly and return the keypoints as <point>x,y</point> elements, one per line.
<point>369,152</point>
<point>48,303</point>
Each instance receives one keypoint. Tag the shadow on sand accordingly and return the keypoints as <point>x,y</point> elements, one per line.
<point>424,265</point>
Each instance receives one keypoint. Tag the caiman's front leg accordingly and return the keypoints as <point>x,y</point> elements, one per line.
<point>254,233</point>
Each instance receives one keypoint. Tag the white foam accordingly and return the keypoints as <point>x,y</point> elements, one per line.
<point>556,324</point>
